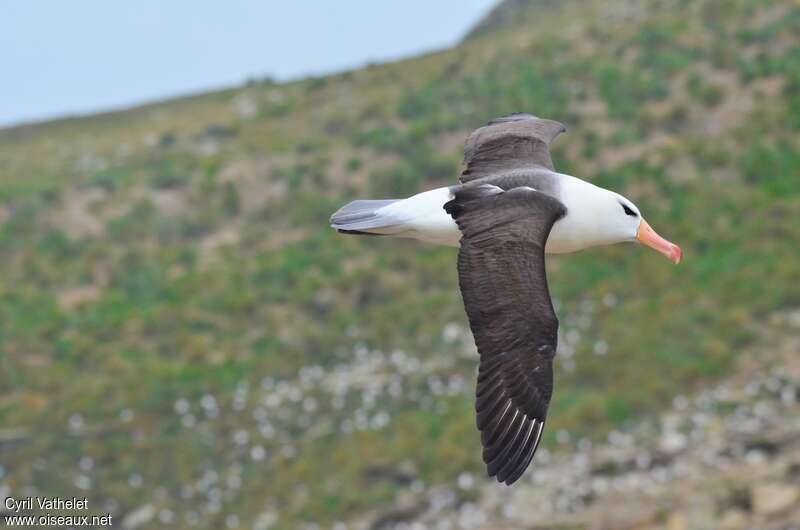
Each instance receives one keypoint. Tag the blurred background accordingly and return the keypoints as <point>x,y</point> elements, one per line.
<point>185,342</point>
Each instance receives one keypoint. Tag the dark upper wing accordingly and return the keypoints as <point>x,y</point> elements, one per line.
<point>502,277</point>
<point>511,142</point>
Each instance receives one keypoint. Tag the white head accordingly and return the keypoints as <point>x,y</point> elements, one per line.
<point>633,227</point>
<point>597,216</point>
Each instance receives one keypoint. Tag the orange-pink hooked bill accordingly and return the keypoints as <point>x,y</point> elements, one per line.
<point>649,237</point>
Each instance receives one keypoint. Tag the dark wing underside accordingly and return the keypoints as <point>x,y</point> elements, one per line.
<point>502,277</point>
<point>517,141</point>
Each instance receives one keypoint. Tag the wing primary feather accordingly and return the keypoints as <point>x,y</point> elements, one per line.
<point>513,460</point>
<point>484,416</point>
<point>503,430</point>
<point>524,463</point>
<point>491,430</point>
<point>509,446</point>
<point>489,398</point>
<point>509,432</point>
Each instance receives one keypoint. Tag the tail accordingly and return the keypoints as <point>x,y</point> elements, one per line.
<point>369,217</point>
<point>421,216</point>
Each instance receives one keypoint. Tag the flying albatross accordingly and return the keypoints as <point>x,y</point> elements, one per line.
<point>510,208</point>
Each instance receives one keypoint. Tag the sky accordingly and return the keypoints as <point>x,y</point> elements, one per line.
<point>60,58</point>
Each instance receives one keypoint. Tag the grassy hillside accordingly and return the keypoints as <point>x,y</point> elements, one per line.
<point>510,13</point>
<point>183,340</point>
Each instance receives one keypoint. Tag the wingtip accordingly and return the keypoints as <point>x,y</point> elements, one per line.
<point>524,116</point>
<point>507,481</point>
<point>514,116</point>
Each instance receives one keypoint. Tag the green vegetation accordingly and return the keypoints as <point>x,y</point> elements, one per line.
<point>175,312</point>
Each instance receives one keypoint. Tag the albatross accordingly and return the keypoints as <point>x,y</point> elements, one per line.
<point>509,209</point>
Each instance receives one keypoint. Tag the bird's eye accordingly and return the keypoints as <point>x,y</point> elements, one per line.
<point>628,211</point>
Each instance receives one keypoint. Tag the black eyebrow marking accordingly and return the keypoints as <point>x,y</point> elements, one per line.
<point>628,211</point>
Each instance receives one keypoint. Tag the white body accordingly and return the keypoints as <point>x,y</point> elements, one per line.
<point>592,218</point>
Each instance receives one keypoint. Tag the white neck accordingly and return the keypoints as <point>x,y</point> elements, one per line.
<point>584,224</point>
